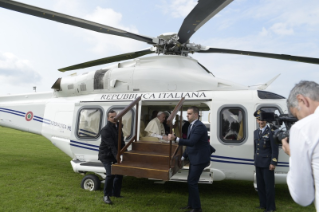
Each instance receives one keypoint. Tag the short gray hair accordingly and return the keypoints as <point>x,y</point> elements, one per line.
<point>308,89</point>
<point>161,112</point>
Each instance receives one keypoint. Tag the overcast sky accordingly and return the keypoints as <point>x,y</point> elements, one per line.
<point>32,49</point>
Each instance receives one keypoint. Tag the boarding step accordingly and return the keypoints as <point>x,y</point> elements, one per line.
<point>149,146</point>
<point>148,159</point>
<point>142,170</point>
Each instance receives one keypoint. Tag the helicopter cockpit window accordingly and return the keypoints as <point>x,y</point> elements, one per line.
<point>89,124</point>
<point>232,123</point>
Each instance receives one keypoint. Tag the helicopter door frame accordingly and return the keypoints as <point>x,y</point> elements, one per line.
<point>86,148</point>
<point>119,108</point>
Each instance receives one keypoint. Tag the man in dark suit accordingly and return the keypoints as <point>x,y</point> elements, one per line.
<point>265,156</point>
<point>198,151</point>
<point>107,155</point>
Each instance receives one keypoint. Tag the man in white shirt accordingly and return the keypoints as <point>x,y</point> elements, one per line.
<point>303,148</point>
<point>155,127</point>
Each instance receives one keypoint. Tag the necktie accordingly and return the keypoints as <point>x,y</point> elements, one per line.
<point>260,132</point>
<point>189,129</point>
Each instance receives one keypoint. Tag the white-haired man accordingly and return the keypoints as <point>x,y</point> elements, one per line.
<point>303,148</point>
<point>155,127</point>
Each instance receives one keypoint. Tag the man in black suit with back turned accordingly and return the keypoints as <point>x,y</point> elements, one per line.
<point>198,151</point>
<point>265,156</point>
<point>107,155</point>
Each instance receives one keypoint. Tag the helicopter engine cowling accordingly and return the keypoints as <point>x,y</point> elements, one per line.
<point>165,73</point>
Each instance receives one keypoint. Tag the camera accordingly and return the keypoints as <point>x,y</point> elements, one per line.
<point>275,123</point>
<point>280,134</point>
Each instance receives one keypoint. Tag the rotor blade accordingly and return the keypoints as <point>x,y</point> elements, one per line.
<point>202,12</point>
<point>106,60</point>
<point>74,21</point>
<point>261,54</point>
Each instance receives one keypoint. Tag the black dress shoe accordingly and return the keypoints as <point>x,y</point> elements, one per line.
<point>259,207</point>
<point>107,200</point>
<point>196,210</point>
<point>186,207</point>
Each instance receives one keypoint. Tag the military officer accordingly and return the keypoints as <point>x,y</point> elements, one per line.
<point>265,156</point>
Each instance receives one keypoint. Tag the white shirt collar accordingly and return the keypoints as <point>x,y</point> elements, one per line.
<point>194,122</point>
<point>263,129</point>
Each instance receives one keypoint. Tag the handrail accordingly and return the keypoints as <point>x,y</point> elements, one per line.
<point>176,109</point>
<point>128,144</point>
<point>169,122</point>
<point>129,107</point>
<point>119,117</point>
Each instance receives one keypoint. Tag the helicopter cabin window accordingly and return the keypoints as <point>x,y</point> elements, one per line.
<point>232,124</point>
<point>127,121</point>
<point>89,123</point>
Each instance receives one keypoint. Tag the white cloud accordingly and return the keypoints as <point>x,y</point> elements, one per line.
<point>110,44</point>
<point>181,8</point>
<point>100,43</point>
<point>69,7</point>
<point>291,13</point>
<point>16,70</point>
<point>105,16</point>
<point>264,32</point>
<point>281,29</point>
<point>178,8</point>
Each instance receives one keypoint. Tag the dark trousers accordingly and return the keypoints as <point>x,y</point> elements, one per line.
<point>194,173</point>
<point>113,183</point>
<point>266,188</point>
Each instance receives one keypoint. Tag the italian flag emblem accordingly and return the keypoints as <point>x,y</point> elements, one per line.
<point>29,116</point>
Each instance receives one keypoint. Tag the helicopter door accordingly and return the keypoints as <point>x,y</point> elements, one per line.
<point>85,136</point>
<point>87,123</point>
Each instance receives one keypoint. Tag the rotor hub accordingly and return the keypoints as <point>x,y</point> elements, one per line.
<point>168,44</point>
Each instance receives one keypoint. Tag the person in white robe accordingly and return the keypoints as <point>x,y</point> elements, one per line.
<point>155,127</point>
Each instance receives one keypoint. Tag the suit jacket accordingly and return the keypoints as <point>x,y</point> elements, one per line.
<point>109,146</point>
<point>197,145</point>
<point>265,148</point>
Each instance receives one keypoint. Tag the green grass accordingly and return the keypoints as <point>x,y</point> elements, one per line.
<point>36,176</point>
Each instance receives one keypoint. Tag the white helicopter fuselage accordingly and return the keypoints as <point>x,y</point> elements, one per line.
<point>58,115</point>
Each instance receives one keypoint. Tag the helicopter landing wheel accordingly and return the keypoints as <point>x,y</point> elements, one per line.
<point>91,182</point>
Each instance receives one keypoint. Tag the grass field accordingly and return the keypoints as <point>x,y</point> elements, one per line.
<point>36,176</point>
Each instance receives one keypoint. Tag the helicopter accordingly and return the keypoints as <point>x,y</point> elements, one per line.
<point>72,115</point>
